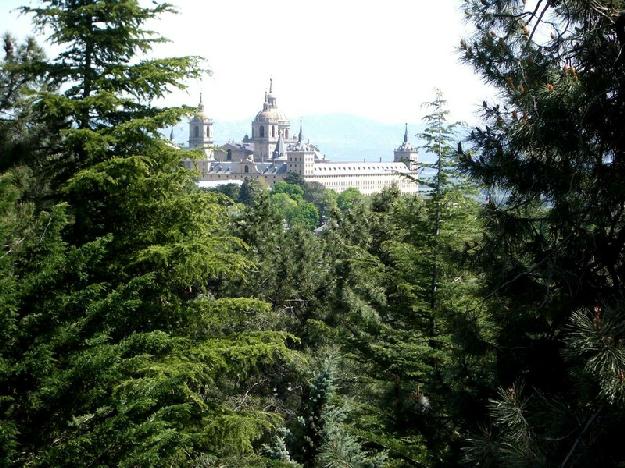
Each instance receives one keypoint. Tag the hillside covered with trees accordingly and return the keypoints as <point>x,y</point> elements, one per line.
<point>145,321</point>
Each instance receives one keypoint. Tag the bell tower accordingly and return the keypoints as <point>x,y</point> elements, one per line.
<point>407,153</point>
<point>200,129</point>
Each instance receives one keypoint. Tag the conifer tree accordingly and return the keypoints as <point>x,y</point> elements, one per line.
<point>122,351</point>
<point>423,372</point>
<point>383,350</point>
<point>20,130</point>
<point>438,140</point>
<point>439,137</point>
<point>552,155</point>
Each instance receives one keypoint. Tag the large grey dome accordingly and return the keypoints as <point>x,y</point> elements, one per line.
<point>270,115</point>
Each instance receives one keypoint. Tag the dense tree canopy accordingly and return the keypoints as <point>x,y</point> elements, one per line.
<point>147,322</point>
<point>120,348</point>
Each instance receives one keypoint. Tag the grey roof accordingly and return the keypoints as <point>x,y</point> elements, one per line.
<point>224,166</point>
<point>238,146</point>
<point>280,149</point>
<point>406,148</point>
<point>271,168</point>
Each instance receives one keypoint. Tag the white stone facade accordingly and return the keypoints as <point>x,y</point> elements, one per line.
<point>274,151</point>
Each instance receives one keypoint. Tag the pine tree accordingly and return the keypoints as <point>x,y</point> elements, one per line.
<point>552,155</point>
<point>32,251</point>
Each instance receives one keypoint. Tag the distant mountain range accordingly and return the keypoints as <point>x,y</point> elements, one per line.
<point>341,137</point>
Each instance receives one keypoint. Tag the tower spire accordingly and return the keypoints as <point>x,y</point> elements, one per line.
<point>270,85</point>
<point>406,134</point>
<point>280,148</point>
<point>299,136</point>
<point>200,105</point>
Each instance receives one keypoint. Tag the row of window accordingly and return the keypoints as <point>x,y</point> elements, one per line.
<point>348,168</point>
<point>359,176</point>
<point>366,186</point>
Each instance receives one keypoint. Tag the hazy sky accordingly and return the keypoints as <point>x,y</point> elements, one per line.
<point>376,59</point>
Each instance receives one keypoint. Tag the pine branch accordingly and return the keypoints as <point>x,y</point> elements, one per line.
<point>579,437</point>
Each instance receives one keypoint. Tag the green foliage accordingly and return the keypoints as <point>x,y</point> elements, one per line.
<point>348,198</point>
<point>21,129</point>
<point>119,346</point>
<point>32,252</point>
<point>288,199</point>
<point>324,200</point>
<point>407,366</point>
<point>250,191</point>
<point>289,264</point>
<point>340,448</point>
<point>232,191</point>
<point>294,178</point>
<point>551,155</point>
<point>321,436</point>
<point>597,338</point>
<point>146,322</point>
<point>296,192</point>
<point>438,140</point>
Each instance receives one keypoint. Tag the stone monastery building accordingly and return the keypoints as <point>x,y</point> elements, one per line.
<point>274,151</point>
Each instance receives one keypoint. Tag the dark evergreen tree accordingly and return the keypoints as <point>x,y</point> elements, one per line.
<point>552,153</point>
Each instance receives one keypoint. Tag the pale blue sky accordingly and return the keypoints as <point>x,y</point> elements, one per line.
<point>376,59</point>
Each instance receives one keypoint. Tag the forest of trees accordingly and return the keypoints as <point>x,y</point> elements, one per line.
<point>147,322</point>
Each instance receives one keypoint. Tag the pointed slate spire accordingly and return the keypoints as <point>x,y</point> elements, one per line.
<point>171,134</point>
<point>200,105</point>
<point>300,136</point>
<point>280,148</point>
<point>270,85</point>
<point>406,134</point>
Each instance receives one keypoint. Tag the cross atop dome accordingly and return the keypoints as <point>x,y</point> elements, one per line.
<point>270,100</point>
<point>199,113</point>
